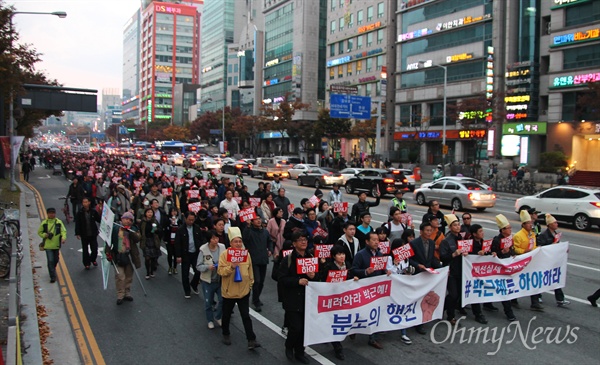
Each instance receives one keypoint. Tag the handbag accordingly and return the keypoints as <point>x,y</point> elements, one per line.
<point>41,246</point>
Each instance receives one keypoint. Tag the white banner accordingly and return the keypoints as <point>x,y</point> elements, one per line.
<point>377,304</point>
<point>490,279</point>
<point>15,143</point>
<point>106,224</point>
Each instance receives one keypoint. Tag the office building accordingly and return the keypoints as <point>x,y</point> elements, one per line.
<point>131,69</point>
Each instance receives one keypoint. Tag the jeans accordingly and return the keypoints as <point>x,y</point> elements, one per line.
<point>260,271</point>
<point>189,261</point>
<point>244,308</point>
<point>92,243</point>
<point>53,256</point>
<point>209,290</point>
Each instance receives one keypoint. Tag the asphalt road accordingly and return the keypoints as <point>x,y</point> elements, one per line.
<point>165,328</point>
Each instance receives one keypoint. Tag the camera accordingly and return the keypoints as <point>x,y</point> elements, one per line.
<point>50,235</point>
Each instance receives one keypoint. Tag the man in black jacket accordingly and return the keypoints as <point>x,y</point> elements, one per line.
<point>434,208</point>
<point>259,244</point>
<point>188,240</point>
<point>75,195</point>
<point>294,224</point>
<point>293,287</point>
<point>86,230</point>
<point>548,237</point>
<point>281,201</point>
<point>362,205</point>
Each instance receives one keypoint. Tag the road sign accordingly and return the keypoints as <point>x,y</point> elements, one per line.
<point>445,149</point>
<point>342,89</point>
<point>122,130</point>
<point>215,131</point>
<point>98,135</point>
<point>130,130</point>
<point>350,106</point>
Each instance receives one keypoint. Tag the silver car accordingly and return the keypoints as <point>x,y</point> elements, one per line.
<point>300,168</point>
<point>456,194</point>
<point>349,172</point>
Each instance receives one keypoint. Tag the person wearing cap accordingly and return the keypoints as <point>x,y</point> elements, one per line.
<point>188,239</point>
<point>434,208</point>
<point>236,292</point>
<point>293,290</point>
<point>450,255</point>
<point>124,251</point>
<point>537,227</point>
<point>398,201</point>
<point>54,234</point>
<point>524,241</point>
<point>335,195</point>
<point>259,244</point>
<point>548,237</point>
<point>294,224</point>
<point>362,205</point>
<point>505,231</point>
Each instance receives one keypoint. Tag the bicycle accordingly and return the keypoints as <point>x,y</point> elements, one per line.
<point>9,220</point>
<point>66,210</point>
<point>5,254</point>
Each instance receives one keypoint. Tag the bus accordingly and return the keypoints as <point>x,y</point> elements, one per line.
<point>143,146</point>
<point>172,147</point>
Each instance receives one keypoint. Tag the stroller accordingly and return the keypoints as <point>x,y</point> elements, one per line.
<point>56,169</point>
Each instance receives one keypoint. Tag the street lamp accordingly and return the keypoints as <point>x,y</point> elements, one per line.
<point>444,148</point>
<point>11,122</point>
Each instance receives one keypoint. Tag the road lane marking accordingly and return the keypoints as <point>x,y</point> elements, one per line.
<point>584,301</point>
<point>591,248</point>
<point>583,267</point>
<point>79,323</point>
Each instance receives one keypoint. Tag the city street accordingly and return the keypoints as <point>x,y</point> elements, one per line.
<point>165,328</point>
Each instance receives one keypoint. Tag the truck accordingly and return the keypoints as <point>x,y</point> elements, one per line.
<point>267,167</point>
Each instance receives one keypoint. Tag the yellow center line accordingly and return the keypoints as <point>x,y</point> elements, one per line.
<point>79,322</point>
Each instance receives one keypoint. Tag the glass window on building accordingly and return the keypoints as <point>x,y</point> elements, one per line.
<point>359,42</point>
<point>235,68</point>
<point>341,23</point>
<point>369,13</point>
<point>229,68</point>
<point>235,80</point>
<point>587,56</point>
<point>332,50</point>
<point>331,73</point>
<point>342,3</point>
<point>368,89</point>
<point>333,4</point>
<point>380,10</point>
<point>436,113</point>
<point>333,26</point>
<point>380,36</point>
<point>340,71</point>
<point>582,14</point>
<point>369,64</point>
<point>359,17</point>
<point>369,39</point>
<point>229,81</point>
<point>350,20</point>
<point>380,62</point>
<point>350,44</point>
<point>378,89</point>
<point>341,47</point>
<point>358,67</point>
<point>349,70</point>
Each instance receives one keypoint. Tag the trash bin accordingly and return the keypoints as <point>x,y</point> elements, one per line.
<point>417,173</point>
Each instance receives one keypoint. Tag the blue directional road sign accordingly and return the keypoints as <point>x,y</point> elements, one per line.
<point>215,131</point>
<point>350,106</point>
<point>122,130</point>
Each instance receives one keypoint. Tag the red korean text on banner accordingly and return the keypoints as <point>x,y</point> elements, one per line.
<point>323,251</point>
<point>178,181</point>
<point>431,271</point>
<point>506,242</point>
<point>403,252</point>
<point>195,207</point>
<point>284,253</point>
<point>142,170</point>
<point>236,256</point>
<point>378,262</point>
<point>202,183</point>
<point>314,201</point>
<point>247,215</point>
<point>167,191</point>
<point>486,245</point>
<point>384,247</point>
<point>254,202</point>
<point>215,172</point>
<point>465,245</point>
<point>137,184</point>
<point>320,232</point>
<point>306,265</point>
<point>211,193</point>
<point>99,175</point>
<point>291,209</point>
<point>337,276</point>
<point>340,207</point>
<point>90,173</point>
<point>116,179</point>
<point>158,173</point>
<point>237,199</point>
<point>193,194</point>
<point>189,181</point>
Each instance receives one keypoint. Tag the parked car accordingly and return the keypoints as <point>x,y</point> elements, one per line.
<point>376,181</point>
<point>348,173</point>
<point>318,177</point>
<point>578,205</point>
<point>234,167</point>
<point>457,194</point>
<point>300,168</point>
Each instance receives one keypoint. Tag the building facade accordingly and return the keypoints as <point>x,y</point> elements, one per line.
<point>169,55</point>
<point>131,69</point>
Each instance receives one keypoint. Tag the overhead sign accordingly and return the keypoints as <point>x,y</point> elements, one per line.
<point>524,128</point>
<point>342,89</point>
<point>350,106</point>
<point>569,81</point>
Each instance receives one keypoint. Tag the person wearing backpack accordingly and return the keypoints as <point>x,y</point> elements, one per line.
<point>53,232</point>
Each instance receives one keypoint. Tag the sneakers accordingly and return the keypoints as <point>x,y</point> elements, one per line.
<point>174,271</point>
<point>128,298</point>
<point>94,263</point>
<point>226,340</point>
<point>420,330</point>
<point>195,290</point>
<point>537,307</point>
<point>562,303</point>
<point>511,317</point>
<point>592,301</point>
<point>87,267</point>
<point>53,280</point>
<point>252,344</point>
<point>481,319</point>
<point>147,277</point>
<point>187,296</point>
<point>219,322</point>
<point>152,275</point>
<point>258,308</point>
<point>405,340</point>
<point>170,271</point>
<point>211,325</point>
<point>540,299</point>
<point>490,307</point>
<point>119,301</point>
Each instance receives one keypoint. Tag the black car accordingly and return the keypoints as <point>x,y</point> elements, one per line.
<point>234,167</point>
<point>377,181</point>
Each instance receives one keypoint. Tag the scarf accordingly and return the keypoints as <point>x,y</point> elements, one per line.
<point>124,244</point>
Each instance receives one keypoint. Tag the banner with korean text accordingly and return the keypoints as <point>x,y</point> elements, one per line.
<point>376,304</point>
<point>490,279</point>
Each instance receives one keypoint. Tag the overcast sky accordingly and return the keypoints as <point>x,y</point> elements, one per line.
<point>83,50</point>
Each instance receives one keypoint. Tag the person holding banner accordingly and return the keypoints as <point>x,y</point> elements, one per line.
<point>524,241</point>
<point>502,246</point>
<point>335,195</point>
<point>480,247</point>
<point>237,278</point>
<point>400,267</point>
<point>188,240</point>
<point>367,263</point>
<point>124,251</point>
<point>310,225</point>
<point>260,247</point>
<point>295,272</point>
<point>86,230</point>
<point>548,237</point>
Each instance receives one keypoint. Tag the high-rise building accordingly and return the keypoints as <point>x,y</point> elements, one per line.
<point>110,111</point>
<point>131,68</point>
<point>294,59</point>
<point>218,31</point>
<point>169,55</point>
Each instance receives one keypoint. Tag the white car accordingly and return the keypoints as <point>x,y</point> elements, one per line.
<point>578,205</point>
<point>300,168</point>
<point>348,173</point>
<point>176,158</point>
<point>207,163</point>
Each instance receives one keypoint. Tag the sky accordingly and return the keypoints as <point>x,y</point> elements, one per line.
<point>83,50</point>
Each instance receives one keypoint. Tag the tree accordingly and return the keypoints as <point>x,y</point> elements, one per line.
<point>368,131</point>
<point>588,103</point>
<point>280,117</point>
<point>331,128</point>
<point>247,128</point>
<point>202,125</point>
<point>17,67</point>
<point>174,132</point>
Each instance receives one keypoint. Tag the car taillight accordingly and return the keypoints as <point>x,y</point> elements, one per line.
<point>250,166</point>
<point>596,204</point>
<point>388,181</point>
<point>405,181</point>
<point>493,196</point>
<point>490,188</point>
<point>238,166</point>
<point>470,196</point>
<point>278,165</point>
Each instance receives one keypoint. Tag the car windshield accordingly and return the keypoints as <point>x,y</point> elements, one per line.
<point>473,186</point>
<point>597,195</point>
